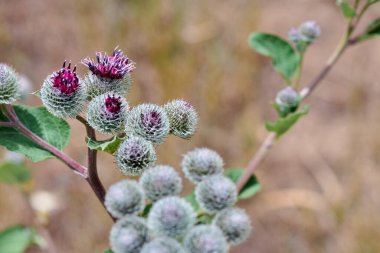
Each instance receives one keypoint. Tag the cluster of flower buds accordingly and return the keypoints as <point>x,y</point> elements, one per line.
<point>9,84</point>
<point>287,101</point>
<point>304,35</point>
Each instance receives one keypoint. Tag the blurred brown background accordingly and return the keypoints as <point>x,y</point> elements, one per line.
<point>321,182</point>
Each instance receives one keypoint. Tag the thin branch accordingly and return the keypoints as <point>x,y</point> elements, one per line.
<point>7,124</point>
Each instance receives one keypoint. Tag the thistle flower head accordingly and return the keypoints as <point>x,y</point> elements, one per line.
<point>134,155</point>
<point>205,239</point>
<point>183,118</point>
<point>309,31</point>
<point>160,181</point>
<point>114,66</point>
<point>128,235</point>
<point>124,197</point>
<point>148,121</point>
<point>235,225</point>
<point>9,85</point>
<point>107,113</point>
<point>62,92</point>
<point>201,163</point>
<point>162,245</point>
<point>171,216</point>
<point>216,193</point>
<point>287,101</point>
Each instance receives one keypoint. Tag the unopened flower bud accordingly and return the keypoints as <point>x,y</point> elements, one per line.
<point>107,113</point>
<point>128,235</point>
<point>309,31</point>
<point>287,101</point>
<point>201,163</point>
<point>183,118</point>
<point>235,225</point>
<point>205,239</point>
<point>163,245</point>
<point>148,121</point>
<point>62,93</point>
<point>124,197</point>
<point>134,155</point>
<point>216,193</point>
<point>9,85</point>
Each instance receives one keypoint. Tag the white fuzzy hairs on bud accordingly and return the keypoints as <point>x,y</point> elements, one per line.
<point>160,181</point>
<point>128,235</point>
<point>205,239</point>
<point>135,155</point>
<point>162,245</point>
<point>216,193</point>
<point>96,86</point>
<point>201,163</point>
<point>124,197</point>
<point>235,225</point>
<point>9,84</point>
<point>171,216</point>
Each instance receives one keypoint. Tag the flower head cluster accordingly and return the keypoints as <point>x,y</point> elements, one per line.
<point>160,181</point>
<point>304,35</point>
<point>287,101</point>
<point>201,163</point>
<point>9,85</point>
<point>183,118</point>
<point>134,155</point>
<point>163,245</point>
<point>148,121</point>
<point>128,235</point>
<point>124,197</point>
<point>107,113</point>
<point>62,92</point>
<point>205,239</point>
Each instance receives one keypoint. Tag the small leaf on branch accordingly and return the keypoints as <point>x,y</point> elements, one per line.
<point>282,125</point>
<point>284,58</point>
<point>347,10</point>
<point>108,146</point>
<point>108,251</point>
<point>17,239</point>
<point>373,30</point>
<point>53,130</point>
<point>250,188</point>
<point>14,173</point>
<point>192,200</point>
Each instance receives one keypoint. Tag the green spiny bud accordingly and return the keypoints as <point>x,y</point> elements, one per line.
<point>309,31</point>
<point>62,93</point>
<point>9,85</point>
<point>235,225</point>
<point>96,85</point>
<point>124,197</point>
<point>107,113</point>
<point>216,193</point>
<point>171,216</point>
<point>134,155</point>
<point>201,163</point>
<point>148,121</point>
<point>287,101</point>
<point>163,245</point>
<point>160,181</point>
<point>183,118</point>
<point>205,239</point>
<point>128,235</point>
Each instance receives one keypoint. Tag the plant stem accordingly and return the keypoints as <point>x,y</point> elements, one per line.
<point>297,79</point>
<point>7,124</point>
<point>305,92</point>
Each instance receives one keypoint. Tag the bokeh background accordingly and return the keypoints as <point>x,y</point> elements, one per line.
<point>321,182</point>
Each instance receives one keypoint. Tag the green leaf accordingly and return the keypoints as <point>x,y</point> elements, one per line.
<point>109,146</point>
<point>346,9</point>
<point>17,239</point>
<point>284,124</point>
<point>54,130</point>
<point>108,251</point>
<point>146,210</point>
<point>193,201</point>
<point>14,173</point>
<point>284,58</point>
<point>250,188</point>
<point>373,30</point>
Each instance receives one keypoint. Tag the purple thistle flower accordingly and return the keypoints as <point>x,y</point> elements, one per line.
<point>113,103</point>
<point>114,66</point>
<point>65,80</point>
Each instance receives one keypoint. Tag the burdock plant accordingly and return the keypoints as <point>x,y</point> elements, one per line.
<point>150,213</point>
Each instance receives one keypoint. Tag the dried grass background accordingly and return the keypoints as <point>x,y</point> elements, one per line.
<point>321,182</point>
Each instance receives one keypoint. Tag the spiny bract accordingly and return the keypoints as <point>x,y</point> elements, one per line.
<point>160,181</point>
<point>205,239</point>
<point>9,84</point>
<point>216,193</point>
<point>162,245</point>
<point>124,197</point>
<point>183,118</point>
<point>171,216</point>
<point>134,155</point>
<point>235,225</point>
<point>62,93</point>
<point>128,235</point>
<point>107,113</point>
<point>201,163</point>
<point>148,121</point>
